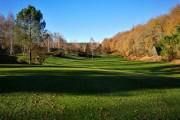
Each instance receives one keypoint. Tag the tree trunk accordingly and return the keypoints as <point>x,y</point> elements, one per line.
<point>48,45</point>
<point>30,47</point>
<point>92,54</point>
<point>30,56</point>
<point>11,47</point>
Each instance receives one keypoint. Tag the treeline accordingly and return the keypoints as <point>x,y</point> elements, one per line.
<point>146,40</point>
<point>26,38</point>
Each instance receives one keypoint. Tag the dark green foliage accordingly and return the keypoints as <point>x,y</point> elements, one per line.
<point>59,53</point>
<point>39,54</point>
<point>84,54</point>
<point>17,49</point>
<point>169,46</point>
<point>158,47</point>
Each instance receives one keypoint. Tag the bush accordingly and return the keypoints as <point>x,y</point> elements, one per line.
<point>39,55</point>
<point>22,59</point>
<point>169,46</point>
<point>53,49</point>
<point>83,54</point>
<point>17,49</point>
<point>59,53</point>
<point>50,54</point>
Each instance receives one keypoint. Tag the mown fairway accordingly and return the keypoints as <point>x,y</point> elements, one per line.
<point>107,88</point>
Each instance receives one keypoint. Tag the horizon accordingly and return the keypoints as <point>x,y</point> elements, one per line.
<point>79,20</point>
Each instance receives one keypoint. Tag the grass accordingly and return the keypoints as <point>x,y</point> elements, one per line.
<point>75,88</point>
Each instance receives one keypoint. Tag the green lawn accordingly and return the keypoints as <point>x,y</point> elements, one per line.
<point>105,88</point>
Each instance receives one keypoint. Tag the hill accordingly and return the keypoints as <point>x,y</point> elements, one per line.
<point>141,40</point>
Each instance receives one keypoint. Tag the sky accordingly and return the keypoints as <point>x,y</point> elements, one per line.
<point>80,20</point>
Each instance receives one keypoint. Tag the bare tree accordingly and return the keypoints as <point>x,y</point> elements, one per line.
<point>48,39</point>
<point>9,33</point>
<point>92,47</point>
<point>59,41</point>
<point>2,35</point>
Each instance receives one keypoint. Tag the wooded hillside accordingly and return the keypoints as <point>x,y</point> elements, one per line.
<point>142,40</point>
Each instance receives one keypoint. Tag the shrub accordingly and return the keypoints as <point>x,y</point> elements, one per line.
<point>22,59</point>
<point>169,46</point>
<point>82,54</point>
<point>59,53</point>
<point>39,55</point>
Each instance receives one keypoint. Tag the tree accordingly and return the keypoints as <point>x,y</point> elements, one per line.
<point>88,49</point>
<point>170,45</point>
<point>2,31</point>
<point>92,47</point>
<point>59,41</point>
<point>9,33</point>
<point>29,27</point>
<point>6,33</point>
<point>99,49</point>
<point>47,36</point>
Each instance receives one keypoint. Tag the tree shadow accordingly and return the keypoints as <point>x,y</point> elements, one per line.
<point>5,59</point>
<point>72,58</point>
<point>165,70</point>
<point>79,81</point>
<point>168,69</point>
<point>83,85</point>
<point>36,66</point>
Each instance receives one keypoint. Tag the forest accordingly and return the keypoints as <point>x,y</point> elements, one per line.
<point>158,37</point>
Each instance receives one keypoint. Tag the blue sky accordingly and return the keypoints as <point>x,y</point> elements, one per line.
<point>79,20</point>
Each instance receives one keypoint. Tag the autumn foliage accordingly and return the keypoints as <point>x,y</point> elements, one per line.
<point>141,40</point>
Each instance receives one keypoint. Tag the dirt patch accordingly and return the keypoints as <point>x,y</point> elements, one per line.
<point>177,61</point>
<point>146,58</point>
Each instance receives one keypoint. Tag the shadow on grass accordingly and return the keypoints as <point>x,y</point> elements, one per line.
<point>84,84</point>
<point>72,58</point>
<point>167,69</point>
<point>5,59</point>
<point>36,66</point>
<point>158,70</point>
<point>79,81</point>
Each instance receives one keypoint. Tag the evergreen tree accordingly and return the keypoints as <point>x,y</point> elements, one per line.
<point>29,26</point>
